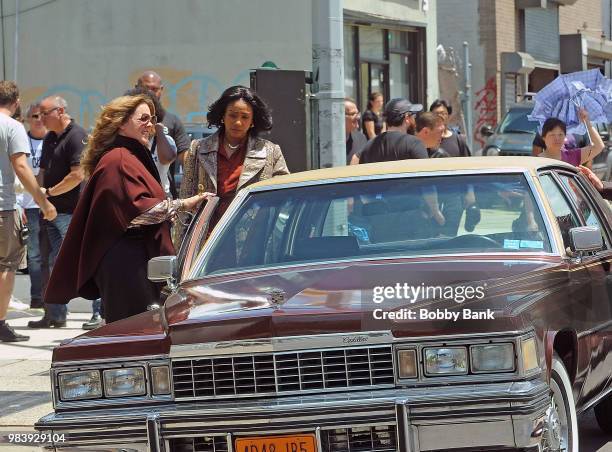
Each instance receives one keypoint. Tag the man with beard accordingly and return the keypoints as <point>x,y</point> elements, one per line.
<point>396,143</point>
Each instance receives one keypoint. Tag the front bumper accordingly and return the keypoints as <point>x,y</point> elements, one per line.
<point>502,416</point>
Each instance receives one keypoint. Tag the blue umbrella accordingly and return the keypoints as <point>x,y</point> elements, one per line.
<point>562,98</point>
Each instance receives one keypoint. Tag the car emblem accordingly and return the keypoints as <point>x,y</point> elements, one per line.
<point>276,297</point>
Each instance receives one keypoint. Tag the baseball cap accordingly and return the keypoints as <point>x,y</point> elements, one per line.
<point>399,106</point>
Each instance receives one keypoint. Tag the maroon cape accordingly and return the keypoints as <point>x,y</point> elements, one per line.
<point>120,189</point>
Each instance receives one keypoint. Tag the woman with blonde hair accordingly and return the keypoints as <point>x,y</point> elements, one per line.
<point>121,219</point>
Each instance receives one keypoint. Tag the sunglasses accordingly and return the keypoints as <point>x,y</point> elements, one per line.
<point>48,112</point>
<point>146,118</point>
<point>36,116</point>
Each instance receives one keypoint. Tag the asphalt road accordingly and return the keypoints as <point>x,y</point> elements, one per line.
<point>25,397</point>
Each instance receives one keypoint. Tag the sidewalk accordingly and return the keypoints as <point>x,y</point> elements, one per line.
<point>24,366</point>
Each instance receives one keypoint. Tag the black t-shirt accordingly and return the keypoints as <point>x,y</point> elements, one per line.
<point>393,145</point>
<point>177,131</point>
<point>59,153</point>
<point>355,144</point>
<point>455,146</point>
<point>369,115</point>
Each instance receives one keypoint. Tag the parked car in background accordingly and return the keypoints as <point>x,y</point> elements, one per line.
<point>195,130</point>
<point>274,336</point>
<point>515,133</point>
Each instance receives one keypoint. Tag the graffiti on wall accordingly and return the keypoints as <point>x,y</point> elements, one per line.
<point>486,109</point>
<point>185,94</point>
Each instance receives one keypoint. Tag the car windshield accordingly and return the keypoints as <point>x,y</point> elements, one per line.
<point>516,121</point>
<point>379,218</point>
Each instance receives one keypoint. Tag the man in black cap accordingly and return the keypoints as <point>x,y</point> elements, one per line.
<point>396,143</point>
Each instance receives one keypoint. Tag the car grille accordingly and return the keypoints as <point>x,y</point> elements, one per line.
<point>371,439</point>
<point>286,372</point>
<point>381,438</point>
<point>199,444</point>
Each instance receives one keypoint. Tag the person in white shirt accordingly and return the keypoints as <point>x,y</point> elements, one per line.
<point>36,133</point>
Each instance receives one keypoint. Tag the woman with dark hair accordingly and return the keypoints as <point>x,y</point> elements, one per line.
<point>553,133</point>
<point>234,156</point>
<point>122,217</point>
<point>373,124</point>
<point>452,143</point>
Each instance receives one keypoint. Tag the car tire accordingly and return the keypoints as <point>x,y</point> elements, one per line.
<point>562,420</point>
<point>603,414</point>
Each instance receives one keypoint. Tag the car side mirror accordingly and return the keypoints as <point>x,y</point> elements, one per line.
<point>486,131</point>
<point>585,239</point>
<point>163,269</point>
<point>605,135</point>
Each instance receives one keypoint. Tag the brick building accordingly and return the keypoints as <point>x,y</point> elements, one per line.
<point>518,46</point>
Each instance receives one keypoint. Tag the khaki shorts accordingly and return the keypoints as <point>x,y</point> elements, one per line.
<point>11,249</point>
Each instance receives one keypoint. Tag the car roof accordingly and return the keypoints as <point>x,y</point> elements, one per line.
<point>413,166</point>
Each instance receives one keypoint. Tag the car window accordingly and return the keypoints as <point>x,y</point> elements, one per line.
<point>516,121</point>
<point>566,219</point>
<point>586,209</point>
<point>378,218</point>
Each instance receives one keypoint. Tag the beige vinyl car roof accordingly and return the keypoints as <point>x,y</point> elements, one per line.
<point>485,164</point>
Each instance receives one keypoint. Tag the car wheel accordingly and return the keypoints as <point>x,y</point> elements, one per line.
<point>561,424</point>
<point>603,414</point>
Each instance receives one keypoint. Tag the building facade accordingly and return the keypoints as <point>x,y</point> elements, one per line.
<point>518,46</point>
<point>390,47</point>
<point>90,51</point>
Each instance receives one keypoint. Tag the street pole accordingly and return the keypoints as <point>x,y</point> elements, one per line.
<point>16,42</point>
<point>467,96</point>
<point>328,86</point>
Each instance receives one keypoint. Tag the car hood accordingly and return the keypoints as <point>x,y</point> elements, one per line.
<point>339,298</point>
<point>512,141</point>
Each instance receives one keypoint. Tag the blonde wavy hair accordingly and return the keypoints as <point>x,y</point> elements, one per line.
<point>113,115</point>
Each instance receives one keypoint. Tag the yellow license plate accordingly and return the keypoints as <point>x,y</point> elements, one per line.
<point>297,443</point>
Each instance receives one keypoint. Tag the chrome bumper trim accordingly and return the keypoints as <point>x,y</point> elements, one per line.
<point>418,413</point>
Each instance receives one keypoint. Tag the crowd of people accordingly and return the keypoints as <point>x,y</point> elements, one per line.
<point>99,205</point>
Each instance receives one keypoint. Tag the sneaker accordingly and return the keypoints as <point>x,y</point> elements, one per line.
<point>8,334</point>
<point>17,305</point>
<point>93,323</point>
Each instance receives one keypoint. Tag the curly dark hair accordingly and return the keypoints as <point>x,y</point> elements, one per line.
<point>262,116</point>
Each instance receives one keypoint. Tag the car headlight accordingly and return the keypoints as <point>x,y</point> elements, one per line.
<point>492,152</point>
<point>80,385</point>
<point>529,354</point>
<point>407,363</point>
<point>129,381</point>
<point>492,358</point>
<point>446,361</point>
<point>160,380</point>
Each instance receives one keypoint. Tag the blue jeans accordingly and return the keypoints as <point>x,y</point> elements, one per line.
<point>34,259</point>
<point>97,307</point>
<point>56,231</point>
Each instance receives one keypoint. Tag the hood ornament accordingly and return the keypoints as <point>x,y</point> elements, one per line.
<point>276,297</point>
